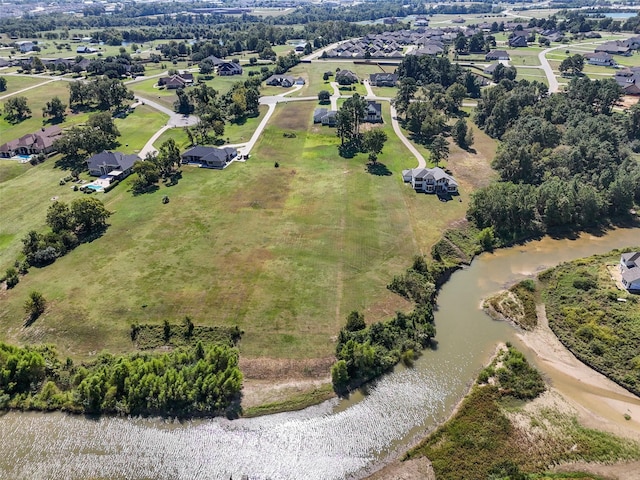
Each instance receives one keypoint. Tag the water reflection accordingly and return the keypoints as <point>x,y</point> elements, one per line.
<point>329,441</point>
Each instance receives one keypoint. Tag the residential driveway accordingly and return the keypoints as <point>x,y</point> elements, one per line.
<point>175,119</point>
<point>396,128</point>
<point>548,71</point>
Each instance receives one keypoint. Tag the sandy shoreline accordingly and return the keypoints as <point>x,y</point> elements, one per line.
<point>600,402</point>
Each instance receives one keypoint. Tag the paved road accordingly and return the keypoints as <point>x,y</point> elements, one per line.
<point>28,88</point>
<point>175,119</point>
<point>551,77</point>
<point>396,128</point>
<point>548,71</point>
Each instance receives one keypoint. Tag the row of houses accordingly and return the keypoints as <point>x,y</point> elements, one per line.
<point>619,47</point>
<point>117,165</point>
<point>428,41</point>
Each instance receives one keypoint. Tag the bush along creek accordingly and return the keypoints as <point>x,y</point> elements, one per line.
<point>365,352</point>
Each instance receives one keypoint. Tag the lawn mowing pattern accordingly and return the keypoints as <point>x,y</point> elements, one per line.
<point>284,253</point>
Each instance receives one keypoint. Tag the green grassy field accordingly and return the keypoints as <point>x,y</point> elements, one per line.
<point>36,99</point>
<point>138,127</point>
<point>15,83</point>
<point>584,312</point>
<point>285,253</point>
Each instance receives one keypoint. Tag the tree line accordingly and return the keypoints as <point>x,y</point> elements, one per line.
<point>365,352</point>
<point>189,381</point>
<point>564,160</point>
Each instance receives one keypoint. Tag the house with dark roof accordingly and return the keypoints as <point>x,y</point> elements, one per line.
<point>229,68</point>
<point>373,112</point>
<point>494,55</point>
<point>346,77</point>
<point>518,41</point>
<point>600,58</point>
<point>383,79</point>
<point>215,61</point>
<point>629,80</point>
<point>325,116</point>
<point>179,80</point>
<point>210,157</point>
<point>614,48</point>
<point>284,81</point>
<point>107,162</point>
<point>490,69</point>
<point>430,180</point>
<point>32,143</point>
<point>630,271</point>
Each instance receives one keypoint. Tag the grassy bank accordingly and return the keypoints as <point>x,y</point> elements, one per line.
<point>493,435</point>
<point>517,305</point>
<point>292,403</point>
<point>594,319</point>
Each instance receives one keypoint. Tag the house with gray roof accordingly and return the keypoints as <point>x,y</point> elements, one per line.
<point>106,162</point>
<point>209,157</point>
<point>430,180</point>
<point>373,113</point>
<point>32,143</point>
<point>630,270</point>
<point>383,79</point>
<point>614,48</point>
<point>496,55</point>
<point>600,58</point>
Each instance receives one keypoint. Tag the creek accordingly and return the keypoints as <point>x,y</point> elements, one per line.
<point>334,440</point>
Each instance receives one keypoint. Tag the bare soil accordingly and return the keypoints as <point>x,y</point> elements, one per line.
<point>415,469</point>
<point>270,380</point>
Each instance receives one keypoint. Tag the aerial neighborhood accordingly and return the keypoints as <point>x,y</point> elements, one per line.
<point>344,218</point>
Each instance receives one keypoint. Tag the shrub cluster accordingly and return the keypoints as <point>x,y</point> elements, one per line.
<point>202,380</point>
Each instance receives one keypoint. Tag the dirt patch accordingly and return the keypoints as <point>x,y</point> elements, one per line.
<point>627,101</point>
<point>285,369</point>
<point>271,380</point>
<point>600,403</point>
<point>415,469</point>
<point>473,167</point>
<point>256,196</point>
<point>618,471</point>
<point>293,116</point>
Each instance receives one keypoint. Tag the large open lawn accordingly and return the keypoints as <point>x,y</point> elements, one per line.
<point>16,83</point>
<point>285,253</point>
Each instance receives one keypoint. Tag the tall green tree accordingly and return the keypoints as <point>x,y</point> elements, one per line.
<point>16,109</point>
<point>89,215</point>
<point>54,109</point>
<point>373,142</point>
<point>439,149</point>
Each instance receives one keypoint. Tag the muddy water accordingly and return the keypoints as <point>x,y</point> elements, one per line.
<point>329,441</point>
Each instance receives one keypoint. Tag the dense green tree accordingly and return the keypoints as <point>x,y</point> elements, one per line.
<point>573,64</point>
<point>439,149</point>
<point>59,217</point>
<point>16,109</point>
<point>89,215</point>
<point>148,173</point>
<point>373,142</point>
<point>34,306</point>
<point>406,91</point>
<point>3,84</point>
<point>324,97</point>
<point>54,109</point>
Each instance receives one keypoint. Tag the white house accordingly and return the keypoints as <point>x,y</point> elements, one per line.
<point>430,180</point>
<point>630,270</point>
<point>25,46</point>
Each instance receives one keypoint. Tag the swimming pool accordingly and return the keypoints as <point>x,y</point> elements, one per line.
<point>91,186</point>
<point>26,157</point>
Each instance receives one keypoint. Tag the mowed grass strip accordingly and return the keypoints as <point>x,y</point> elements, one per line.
<point>16,83</point>
<point>284,253</point>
